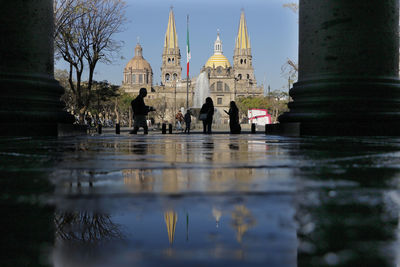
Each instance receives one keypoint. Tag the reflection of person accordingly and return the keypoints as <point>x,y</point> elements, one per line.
<point>233,118</point>
<point>188,121</point>
<point>207,108</point>
<point>140,111</point>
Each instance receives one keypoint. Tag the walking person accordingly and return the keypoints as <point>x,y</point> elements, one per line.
<point>140,111</point>
<point>188,121</point>
<point>206,115</point>
<point>233,118</point>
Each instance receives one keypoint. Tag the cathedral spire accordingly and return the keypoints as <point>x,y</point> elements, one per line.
<point>171,69</point>
<point>171,37</point>
<point>242,58</point>
<point>242,39</point>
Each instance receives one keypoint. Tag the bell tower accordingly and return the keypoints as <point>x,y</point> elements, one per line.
<point>171,70</point>
<point>242,59</point>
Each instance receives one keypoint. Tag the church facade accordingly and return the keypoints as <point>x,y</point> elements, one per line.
<point>227,82</point>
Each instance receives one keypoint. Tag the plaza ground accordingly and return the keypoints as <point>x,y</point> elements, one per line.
<point>202,200</point>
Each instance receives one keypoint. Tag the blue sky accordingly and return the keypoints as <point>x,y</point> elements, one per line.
<point>273,34</point>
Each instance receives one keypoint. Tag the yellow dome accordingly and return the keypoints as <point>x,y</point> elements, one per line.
<point>218,61</point>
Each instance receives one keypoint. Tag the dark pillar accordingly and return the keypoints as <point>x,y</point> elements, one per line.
<point>253,128</point>
<point>29,96</point>
<point>170,128</point>
<point>164,128</point>
<point>117,128</point>
<point>348,68</point>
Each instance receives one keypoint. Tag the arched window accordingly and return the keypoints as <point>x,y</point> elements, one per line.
<point>133,78</point>
<point>241,61</point>
<point>226,88</point>
<point>248,76</point>
<point>219,86</point>
<point>173,59</point>
<point>175,77</point>
<point>169,60</point>
<point>245,61</point>
<point>240,76</point>
<point>167,77</point>
<point>212,87</point>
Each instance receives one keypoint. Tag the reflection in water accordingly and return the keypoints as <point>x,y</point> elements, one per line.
<point>217,215</point>
<point>208,150</point>
<point>170,217</point>
<point>139,180</point>
<point>242,221</point>
<point>85,228</point>
<point>301,202</point>
<point>138,147</point>
<point>349,220</point>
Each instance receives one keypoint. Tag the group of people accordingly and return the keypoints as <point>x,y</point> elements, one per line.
<point>180,119</point>
<point>140,111</point>
<point>207,113</point>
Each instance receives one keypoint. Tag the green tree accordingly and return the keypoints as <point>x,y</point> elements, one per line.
<point>62,76</point>
<point>275,103</point>
<point>123,108</point>
<point>103,100</point>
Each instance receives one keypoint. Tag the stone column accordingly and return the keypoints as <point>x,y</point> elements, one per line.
<point>29,96</point>
<point>348,68</point>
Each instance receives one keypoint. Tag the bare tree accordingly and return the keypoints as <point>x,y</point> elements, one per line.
<point>84,33</point>
<point>290,69</point>
<point>161,107</point>
<point>86,227</point>
<point>292,6</point>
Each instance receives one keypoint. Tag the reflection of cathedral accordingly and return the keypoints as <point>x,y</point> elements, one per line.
<point>227,82</point>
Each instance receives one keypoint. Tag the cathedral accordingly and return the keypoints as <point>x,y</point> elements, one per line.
<point>226,81</point>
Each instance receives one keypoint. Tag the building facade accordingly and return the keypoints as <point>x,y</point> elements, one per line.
<point>227,83</point>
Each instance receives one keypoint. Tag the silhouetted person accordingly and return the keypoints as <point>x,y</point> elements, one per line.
<point>233,118</point>
<point>140,111</point>
<point>207,108</point>
<point>188,121</point>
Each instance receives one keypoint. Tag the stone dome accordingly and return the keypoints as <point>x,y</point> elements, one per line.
<point>138,62</point>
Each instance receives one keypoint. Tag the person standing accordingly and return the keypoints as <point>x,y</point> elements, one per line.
<point>188,121</point>
<point>179,120</point>
<point>233,118</point>
<point>140,111</point>
<point>208,109</point>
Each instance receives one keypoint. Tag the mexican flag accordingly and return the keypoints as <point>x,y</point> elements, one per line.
<point>188,56</point>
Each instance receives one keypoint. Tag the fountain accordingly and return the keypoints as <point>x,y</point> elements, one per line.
<point>201,91</point>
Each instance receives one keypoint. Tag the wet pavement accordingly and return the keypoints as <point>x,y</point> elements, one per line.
<point>201,200</point>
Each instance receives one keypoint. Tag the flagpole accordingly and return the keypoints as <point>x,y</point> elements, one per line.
<point>187,65</point>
